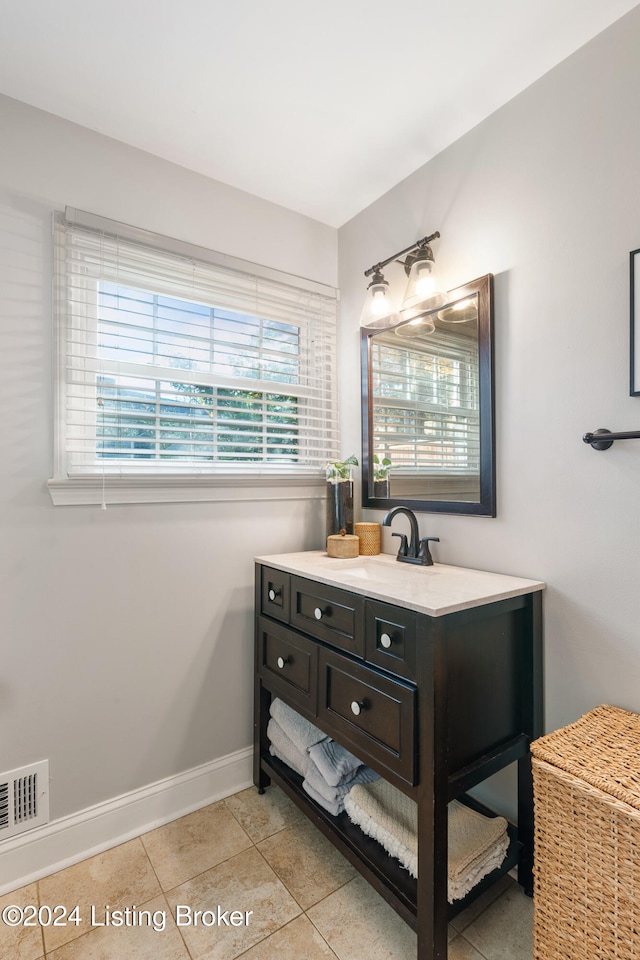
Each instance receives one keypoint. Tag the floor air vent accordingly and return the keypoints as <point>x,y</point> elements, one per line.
<point>24,799</point>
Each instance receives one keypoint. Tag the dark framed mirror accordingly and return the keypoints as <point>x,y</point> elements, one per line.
<point>428,408</point>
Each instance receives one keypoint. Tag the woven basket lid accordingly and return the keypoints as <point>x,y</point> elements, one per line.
<point>602,748</point>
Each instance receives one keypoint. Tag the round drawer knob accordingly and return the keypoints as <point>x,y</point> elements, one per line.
<point>356,708</point>
<point>318,613</point>
<point>386,641</point>
<point>273,594</point>
<point>282,662</point>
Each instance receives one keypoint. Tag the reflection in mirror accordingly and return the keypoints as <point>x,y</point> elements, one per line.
<point>428,410</point>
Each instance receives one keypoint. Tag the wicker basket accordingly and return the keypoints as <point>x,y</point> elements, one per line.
<point>369,534</point>
<point>587,843</point>
<point>343,545</point>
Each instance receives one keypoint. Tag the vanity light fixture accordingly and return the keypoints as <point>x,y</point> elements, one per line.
<point>379,309</point>
<point>423,290</point>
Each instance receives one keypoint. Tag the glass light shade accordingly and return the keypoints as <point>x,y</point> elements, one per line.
<point>423,290</point>
<point>379,309</point>
<point>460,312</point>
<point>415,328</point>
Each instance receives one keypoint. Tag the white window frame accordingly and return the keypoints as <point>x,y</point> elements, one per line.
<point>137,481</point>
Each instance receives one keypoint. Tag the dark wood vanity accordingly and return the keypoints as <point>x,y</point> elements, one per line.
<point>431,676</point>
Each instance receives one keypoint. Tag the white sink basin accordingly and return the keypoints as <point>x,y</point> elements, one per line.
<point>378,569</point>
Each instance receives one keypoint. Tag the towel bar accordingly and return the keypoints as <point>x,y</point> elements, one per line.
<point>598,441</point>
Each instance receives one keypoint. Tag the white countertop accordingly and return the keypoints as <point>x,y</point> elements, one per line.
<point>435,590</point>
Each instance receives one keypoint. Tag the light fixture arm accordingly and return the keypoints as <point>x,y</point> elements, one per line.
<point>377,267</point>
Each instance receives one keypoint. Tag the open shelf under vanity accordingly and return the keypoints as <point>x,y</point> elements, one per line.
<point>383,871</point>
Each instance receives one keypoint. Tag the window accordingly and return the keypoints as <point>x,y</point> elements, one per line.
<point>426,415</point>
<point>177,362</point>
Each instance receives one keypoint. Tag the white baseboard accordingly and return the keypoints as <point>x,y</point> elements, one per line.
<point>44,850</point>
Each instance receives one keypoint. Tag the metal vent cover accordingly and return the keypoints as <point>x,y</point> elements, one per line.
<point>24,799</point>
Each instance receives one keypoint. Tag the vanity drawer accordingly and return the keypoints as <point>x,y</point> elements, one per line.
<point>328,613</point>
<point>391,638</point>
<point>274,594</point>
<point>372,715</point>
<point>288,664</point>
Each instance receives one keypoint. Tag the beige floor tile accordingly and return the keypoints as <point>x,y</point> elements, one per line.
<point>299,940</point>
<point>21,943</point>
<point>244,883</point>
<point>474,909</point>
<point>505,930</point>
<point>356,922</point>
<point>461,949</point>
<point>156,939</point>
<point>118,878</point>
<point>186,847</point>
<point>309,866</point>
<point>263,814</point>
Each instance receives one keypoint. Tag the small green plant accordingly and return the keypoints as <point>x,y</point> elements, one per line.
<point>381,468</point>
<point>341,469</point>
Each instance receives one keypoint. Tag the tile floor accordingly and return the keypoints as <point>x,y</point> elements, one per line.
<point>287,893</point>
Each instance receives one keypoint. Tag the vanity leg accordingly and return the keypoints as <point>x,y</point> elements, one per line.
<point>432,906</point>
<point>432,925</point>
<point>532,698</point>
<point>262,702</point>
<point>525,824</point>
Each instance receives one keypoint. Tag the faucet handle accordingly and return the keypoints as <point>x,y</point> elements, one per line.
<point>424,554</point>
<point>403,549</point>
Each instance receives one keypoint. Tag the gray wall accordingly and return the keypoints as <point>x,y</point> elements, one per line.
<point>545,194</point>
<point>126,635</point>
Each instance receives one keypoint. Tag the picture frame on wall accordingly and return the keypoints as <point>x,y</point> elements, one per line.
<point>634,274</point>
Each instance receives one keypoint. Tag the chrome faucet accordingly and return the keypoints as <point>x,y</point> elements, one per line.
<point>417,550</point>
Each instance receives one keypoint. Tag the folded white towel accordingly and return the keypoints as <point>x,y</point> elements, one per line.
<point>491,860</point>
<point>334,808</point>
<point>287,731</point>
<point>385,814</point>
<point>300,731</point>
<point>335,763</point>
<point>316,781</point>
<point>285,749</point>
<point>477,844</point>
<point>335,794</point>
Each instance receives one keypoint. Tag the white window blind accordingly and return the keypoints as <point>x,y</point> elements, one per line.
<point>426,410</point>
<point>173,362</point>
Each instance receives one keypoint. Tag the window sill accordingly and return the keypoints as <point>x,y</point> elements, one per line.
<point>93,490</point>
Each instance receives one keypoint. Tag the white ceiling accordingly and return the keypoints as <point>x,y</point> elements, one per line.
<point>320,107</point>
